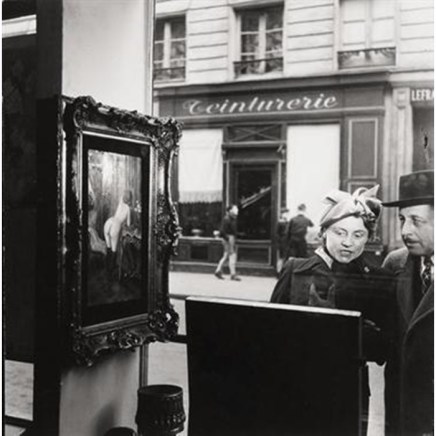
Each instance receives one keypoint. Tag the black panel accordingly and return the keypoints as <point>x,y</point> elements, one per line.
<point>268,370</point>
<point>18,8</point>
<point>19,194</point>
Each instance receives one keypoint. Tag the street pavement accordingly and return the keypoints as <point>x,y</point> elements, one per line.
<point>168,362</point>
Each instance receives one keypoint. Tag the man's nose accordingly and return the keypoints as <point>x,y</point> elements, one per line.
<point>406,228</point>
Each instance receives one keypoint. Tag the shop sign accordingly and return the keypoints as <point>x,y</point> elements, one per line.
<point>422,96</point>
<point>258,104</point>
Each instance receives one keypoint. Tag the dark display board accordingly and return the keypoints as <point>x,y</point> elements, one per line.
<point>266,369</point>
<point>20,194</point>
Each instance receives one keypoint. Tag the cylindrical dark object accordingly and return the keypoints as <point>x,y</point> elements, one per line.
<point>160,410</point>
<point>120,431</point>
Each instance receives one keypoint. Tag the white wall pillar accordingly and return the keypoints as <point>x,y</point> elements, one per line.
<point>103,49</point>
<point>398,157</point>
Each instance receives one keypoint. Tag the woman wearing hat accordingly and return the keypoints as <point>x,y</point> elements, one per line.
<point>339,276</point>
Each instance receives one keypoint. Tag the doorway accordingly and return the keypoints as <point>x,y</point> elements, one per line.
<point>253,187</point>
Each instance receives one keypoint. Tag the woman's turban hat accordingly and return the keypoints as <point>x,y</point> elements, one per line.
<point>361,203</point>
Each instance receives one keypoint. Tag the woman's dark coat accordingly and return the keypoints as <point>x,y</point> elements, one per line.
<point>359,285</point>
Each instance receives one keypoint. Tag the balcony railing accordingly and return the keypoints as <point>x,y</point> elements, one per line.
<point>166,74</point>
<point>372,57</point>
<point>258,66</point>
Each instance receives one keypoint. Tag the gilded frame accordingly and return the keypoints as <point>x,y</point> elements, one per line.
<point>95,137</point>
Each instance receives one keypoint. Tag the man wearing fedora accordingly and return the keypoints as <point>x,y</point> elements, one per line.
<point>409,391</point>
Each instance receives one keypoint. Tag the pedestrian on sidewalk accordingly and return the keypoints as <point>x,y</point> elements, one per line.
<point>282,238</point>
<point>297,230</point>
<point>228,235</point>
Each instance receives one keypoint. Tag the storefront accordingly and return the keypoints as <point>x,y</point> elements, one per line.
<point>265,146</point>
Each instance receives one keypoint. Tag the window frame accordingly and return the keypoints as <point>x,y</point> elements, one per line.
<point>262,36</point>
<point>370,52</point>
<point>166,43</point>
<point>368,19</point>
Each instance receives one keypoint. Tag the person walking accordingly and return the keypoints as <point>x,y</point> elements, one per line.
<point>297,231</point>
<point>282,240</point>
<point>228,235</point>
<point>409,387</point>
<point>339,275</point>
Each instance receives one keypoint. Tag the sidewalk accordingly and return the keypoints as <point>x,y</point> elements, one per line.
<point>207,285</point>
<point>249,288</point>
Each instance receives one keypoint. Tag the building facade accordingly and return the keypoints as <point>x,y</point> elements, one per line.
<point>283,101</point>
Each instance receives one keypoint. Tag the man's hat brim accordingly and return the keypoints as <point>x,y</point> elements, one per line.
<point>410,202</point>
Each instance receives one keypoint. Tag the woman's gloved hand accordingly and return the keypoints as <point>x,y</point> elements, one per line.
<point>316,301</point>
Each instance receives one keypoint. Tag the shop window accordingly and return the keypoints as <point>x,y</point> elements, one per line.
<point>200,182</point>
<point>367,33</point>
<point>423,138</point>
<point>200,219</point>
<point>170,49</point>
<point>260,33</point>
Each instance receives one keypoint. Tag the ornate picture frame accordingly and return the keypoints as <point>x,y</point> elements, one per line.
<point>120,228</point>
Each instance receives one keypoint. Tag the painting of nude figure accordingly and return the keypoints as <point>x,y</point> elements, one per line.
<point>114,254</point>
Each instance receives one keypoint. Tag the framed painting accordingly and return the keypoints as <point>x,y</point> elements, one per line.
<point>120,227</point>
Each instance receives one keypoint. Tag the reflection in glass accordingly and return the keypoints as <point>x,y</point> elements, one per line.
<point>250,21</point>
<point>274,18</point>
<point>114,228</point>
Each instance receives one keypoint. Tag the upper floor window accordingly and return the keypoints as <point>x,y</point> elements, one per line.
<point>367,33</point>
<point>260,41</point>
<point>170,49</point>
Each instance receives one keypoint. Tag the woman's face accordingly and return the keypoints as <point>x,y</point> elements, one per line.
<point>345,240</point>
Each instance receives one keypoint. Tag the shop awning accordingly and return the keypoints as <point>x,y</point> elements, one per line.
<point>201,166</point>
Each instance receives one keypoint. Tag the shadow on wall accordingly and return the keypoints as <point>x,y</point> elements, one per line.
<point>105,419</point>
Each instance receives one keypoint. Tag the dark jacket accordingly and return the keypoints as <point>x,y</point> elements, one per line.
<point>409,389</point>
<point>297,228</point>
<point>282,241</point>
<point>296,236</point>
<point>228,226</point>
<point>357,286</point>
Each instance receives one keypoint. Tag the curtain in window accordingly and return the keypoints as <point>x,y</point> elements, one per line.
<point>201,166</point>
